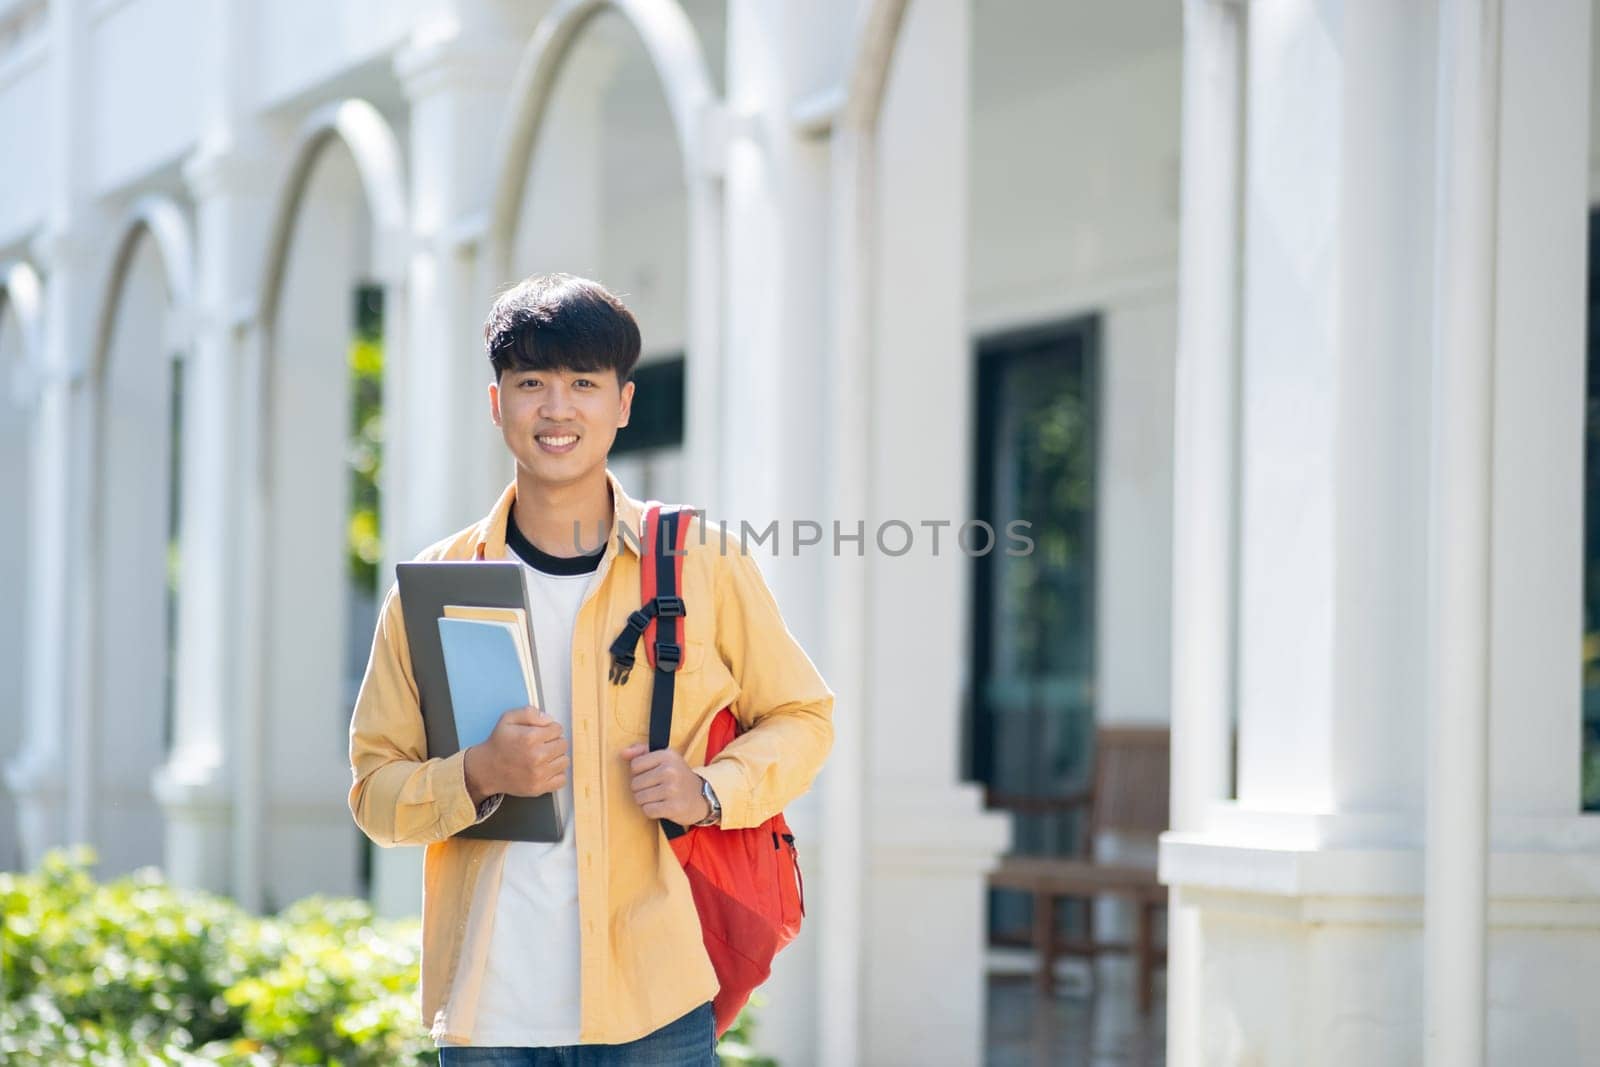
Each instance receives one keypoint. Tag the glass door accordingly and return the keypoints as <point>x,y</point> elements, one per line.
<point>1033,642</point>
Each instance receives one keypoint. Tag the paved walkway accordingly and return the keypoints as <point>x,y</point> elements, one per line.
<point>1075,1027</point>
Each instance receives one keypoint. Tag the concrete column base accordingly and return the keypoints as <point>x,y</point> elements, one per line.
<point>924,957</point>
<point>1311,953</point>
<point>197,805</point>
<point>37,783</point>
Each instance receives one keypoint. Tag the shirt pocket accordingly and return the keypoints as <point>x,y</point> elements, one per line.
<point>630,707</point>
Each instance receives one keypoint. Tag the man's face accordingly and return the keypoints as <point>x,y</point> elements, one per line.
<point>559,424</point>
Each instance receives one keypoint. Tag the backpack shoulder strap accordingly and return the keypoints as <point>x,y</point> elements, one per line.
<point>660,579</point>
<point>663,569</point>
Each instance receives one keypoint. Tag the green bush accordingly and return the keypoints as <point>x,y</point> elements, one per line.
<point>138,972</point>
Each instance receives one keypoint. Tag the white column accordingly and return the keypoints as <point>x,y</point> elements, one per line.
<point>776,199</point>
<point>19,388</point>
<point>50,776</point>
<point>1457,875</point>
<point>1333,402</point>
<point>39,776</point>
<point>227,177</point>
<point>843,783</point>
<point>1205,469</point>
<point>1540,267</point>
<point>929,844</point>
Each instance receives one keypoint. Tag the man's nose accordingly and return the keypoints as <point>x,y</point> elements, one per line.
<point>557,401</point>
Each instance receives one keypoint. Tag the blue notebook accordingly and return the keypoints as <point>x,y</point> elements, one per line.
<point>485,675</point>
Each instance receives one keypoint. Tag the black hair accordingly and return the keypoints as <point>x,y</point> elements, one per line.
<point>561,322</point>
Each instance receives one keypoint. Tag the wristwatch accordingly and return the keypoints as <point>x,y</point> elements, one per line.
<point>711,798</point>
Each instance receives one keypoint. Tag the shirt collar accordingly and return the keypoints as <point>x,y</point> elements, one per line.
<point>625,511</point>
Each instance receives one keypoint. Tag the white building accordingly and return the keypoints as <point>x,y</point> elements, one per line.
<point>1312,491</point>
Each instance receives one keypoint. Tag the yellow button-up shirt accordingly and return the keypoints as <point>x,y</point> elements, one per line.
<point>642,961</point>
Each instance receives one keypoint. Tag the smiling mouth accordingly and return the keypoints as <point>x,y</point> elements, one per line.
<point>557,442</point>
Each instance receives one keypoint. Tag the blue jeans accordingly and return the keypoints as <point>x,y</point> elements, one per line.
<point>690,1041</point>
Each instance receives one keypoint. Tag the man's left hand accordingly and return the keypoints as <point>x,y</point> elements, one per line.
<point>664,786</point>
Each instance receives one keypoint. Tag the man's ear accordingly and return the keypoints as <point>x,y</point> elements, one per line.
<point>494,403</point>
<point>627,404</point>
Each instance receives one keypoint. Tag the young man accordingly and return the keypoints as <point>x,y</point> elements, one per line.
<point>587,950</point>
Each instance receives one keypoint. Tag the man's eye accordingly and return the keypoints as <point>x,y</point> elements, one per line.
<point>584,381</point>
<point>529,381</point>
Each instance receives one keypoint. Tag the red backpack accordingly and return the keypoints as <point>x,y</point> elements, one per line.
<point>746,882</point>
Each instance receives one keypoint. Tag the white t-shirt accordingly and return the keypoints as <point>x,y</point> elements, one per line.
<point>530,981</point>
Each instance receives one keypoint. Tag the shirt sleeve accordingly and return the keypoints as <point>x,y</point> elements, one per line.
<point>399,795</point>
<point>784,707</point>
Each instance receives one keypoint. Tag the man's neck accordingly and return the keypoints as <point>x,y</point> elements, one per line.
<point>551,516</point>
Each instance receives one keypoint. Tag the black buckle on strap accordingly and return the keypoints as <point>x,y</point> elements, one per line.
<point>668,657</point>
<point>670,606</point>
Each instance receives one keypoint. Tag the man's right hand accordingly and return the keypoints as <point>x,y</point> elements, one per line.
<point>526,756</point>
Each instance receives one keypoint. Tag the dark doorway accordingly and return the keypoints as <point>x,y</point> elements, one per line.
<point>1031,725</point>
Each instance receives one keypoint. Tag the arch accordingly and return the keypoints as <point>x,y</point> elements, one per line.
<point>165,224</point>
<point>871,59</point>
<point>117,750</point>
<point>380,174</point>
<point>670,41</point>
<point>376,150</point>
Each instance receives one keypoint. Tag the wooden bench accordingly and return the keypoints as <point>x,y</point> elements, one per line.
<point>1128,795</point>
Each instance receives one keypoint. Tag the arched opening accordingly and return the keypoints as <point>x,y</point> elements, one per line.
<point>602,174</point>
<point>327,319</point>
<point>18,297</point>
<point>133,536</point>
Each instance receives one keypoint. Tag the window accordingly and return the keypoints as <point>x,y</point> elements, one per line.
<point>657,417</point>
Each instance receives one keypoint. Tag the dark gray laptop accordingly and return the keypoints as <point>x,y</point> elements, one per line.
<point>425,589</point>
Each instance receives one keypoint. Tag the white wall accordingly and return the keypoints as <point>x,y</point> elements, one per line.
<point>1074,188</point>
<point>145,107</point>
<point>303,42</point>
<point>24,129</point>
<point>146,82</point>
